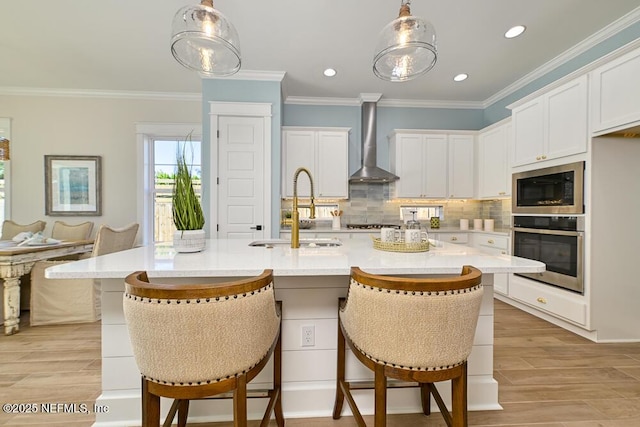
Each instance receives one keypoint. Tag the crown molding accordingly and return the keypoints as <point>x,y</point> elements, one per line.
<point>272,76</point>
<point>406,103</point>
<point>94,93</point>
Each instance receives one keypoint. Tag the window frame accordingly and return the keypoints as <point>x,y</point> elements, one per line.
<point>147,133</point>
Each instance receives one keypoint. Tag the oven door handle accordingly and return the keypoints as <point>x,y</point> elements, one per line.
<point>545,231</point>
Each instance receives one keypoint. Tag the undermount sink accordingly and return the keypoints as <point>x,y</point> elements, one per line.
<point>310,243</point>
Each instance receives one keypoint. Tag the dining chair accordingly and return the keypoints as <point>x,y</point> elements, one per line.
<point>417,330</point>
<point>61,301</point>
<point>193,341</point>
<point>11,229</point>
<point>63,231</point>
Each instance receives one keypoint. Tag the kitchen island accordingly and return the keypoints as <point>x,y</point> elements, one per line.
<point>309,281</point>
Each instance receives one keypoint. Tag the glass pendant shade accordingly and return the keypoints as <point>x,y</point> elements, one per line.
<point>406,48</point>
<point>204,40</point>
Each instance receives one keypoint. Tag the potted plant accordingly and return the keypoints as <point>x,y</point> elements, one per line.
<point>186,209</point>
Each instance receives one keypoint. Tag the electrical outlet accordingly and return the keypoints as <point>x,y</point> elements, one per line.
<point>308,336</point>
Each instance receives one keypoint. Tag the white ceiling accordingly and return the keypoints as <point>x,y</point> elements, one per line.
<point>123,45</point>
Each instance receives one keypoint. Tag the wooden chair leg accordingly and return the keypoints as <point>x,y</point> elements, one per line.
<point>183,413</point>
<point>340,374</point>
<point>240,402</point>
<point>380,411</point>
<point>425,398</point>
<point>275,395</point>
<point>459,399</point>
<point>150,407</point>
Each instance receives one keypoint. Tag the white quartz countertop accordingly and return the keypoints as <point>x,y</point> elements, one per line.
<point>236,258</point>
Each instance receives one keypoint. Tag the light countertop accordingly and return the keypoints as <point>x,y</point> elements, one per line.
<point>224,257</point>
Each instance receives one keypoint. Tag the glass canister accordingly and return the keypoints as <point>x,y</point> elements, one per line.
<point>413,223</point>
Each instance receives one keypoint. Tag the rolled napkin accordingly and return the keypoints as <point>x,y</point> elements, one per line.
<point>21,237</point>
<point>38,239</point>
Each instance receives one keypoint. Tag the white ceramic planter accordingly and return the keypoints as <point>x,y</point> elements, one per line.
<point>189,241</point>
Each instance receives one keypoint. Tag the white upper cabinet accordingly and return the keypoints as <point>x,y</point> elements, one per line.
<point>432,165</point>
<point>552,125</point>
<point>461,167</point>
<point>615,90</point>
<point>494,170</point>
<point>324,152</point>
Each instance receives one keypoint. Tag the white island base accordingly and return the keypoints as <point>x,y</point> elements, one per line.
<point>308,281</point>
<point>309,373</point>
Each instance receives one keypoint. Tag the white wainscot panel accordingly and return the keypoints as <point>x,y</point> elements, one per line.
<point>112,313</point>
<point>116,340</point>
<point>310,303</point>
<point>326,334</point>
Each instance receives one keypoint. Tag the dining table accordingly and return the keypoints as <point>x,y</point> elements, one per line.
<point>16,261</point>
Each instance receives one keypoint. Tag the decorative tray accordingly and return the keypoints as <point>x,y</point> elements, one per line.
<point>400,246</point>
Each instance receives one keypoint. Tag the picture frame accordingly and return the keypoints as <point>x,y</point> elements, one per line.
<point>73,185</point>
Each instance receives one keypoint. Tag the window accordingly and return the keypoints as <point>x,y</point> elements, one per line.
<point>164,161</point>
<point>5,171</point>
<point>158,145</point>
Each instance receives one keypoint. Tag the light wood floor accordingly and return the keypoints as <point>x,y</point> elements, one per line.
<point>548,377</point>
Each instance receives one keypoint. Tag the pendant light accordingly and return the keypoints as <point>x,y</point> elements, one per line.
<point>204,40</point>
<point>406,47</point>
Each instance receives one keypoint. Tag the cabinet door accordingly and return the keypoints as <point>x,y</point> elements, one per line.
<point>616,90</point>
<point>298,148</point>
<point>435,166</point>
<point>528,133</point>
<point>461,167</point>
<point>566,119</point>
<point>409,165</point>
<point>333,167</point>
<point>493,166</point>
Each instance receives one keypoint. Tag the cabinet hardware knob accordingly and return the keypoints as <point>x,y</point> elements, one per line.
<point>490,241</point>
<point>504,252</point>
<point>544,157</point>
<point>454,238</point>
<point>542,300</point>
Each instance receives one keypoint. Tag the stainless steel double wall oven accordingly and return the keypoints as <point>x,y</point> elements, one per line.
<point>549,223</point>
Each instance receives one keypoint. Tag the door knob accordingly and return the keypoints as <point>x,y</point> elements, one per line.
<point>257,227</point>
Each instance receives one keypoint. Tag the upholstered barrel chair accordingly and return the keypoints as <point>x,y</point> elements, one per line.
<point>201,340</point>
<point>410,329</point>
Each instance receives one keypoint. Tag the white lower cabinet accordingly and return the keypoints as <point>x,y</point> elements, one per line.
<point>546,298</point>
<point>494,244</point>
<point>450,237</point>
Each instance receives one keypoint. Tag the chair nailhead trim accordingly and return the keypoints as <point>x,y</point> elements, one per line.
<point>421,293</point>
<point>197,301</point>
<point>204,382</point>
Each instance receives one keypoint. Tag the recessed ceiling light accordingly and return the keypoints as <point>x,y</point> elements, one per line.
<point>330,72</point>
<point>515,31</point>
<point>460,77</point>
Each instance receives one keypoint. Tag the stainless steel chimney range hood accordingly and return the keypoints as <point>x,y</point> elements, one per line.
<point>370,172</point>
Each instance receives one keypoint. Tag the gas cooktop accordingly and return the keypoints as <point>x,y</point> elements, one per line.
<point>371,226</point>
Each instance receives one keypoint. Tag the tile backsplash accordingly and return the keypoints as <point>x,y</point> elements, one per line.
<point>371,203</point>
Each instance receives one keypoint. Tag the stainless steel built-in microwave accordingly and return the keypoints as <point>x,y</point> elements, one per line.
<point>553,190</point>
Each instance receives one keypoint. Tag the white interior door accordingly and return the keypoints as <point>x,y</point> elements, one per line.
<point>241,206</point>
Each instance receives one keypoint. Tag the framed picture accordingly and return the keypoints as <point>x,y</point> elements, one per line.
<point>72,185</point>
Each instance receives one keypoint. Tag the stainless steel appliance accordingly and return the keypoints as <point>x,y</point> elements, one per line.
<point>557,241</point>
<point>549,191</point>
